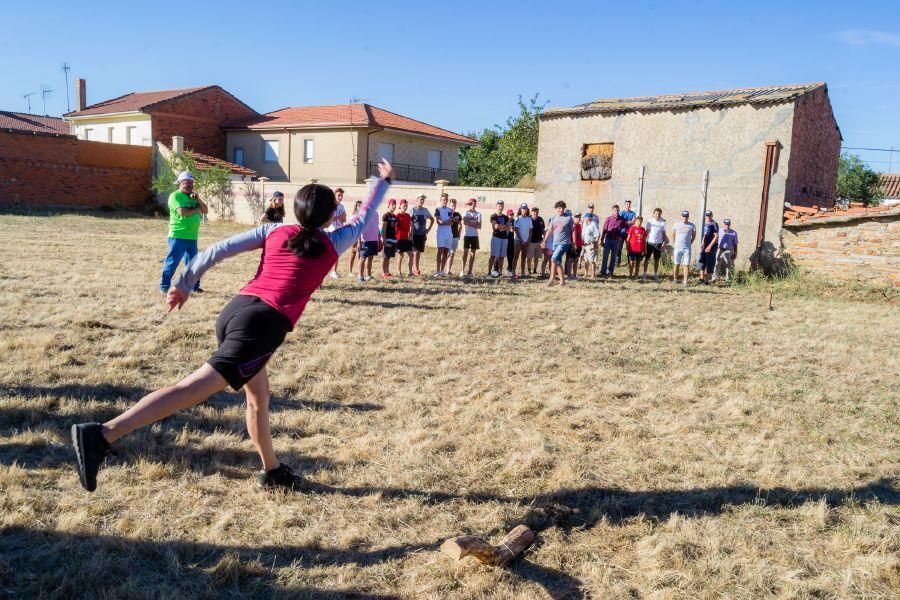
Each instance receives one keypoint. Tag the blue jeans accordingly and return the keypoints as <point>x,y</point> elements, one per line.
<point>178,249</point>
<point>559,251</point>
<point>611,248</point>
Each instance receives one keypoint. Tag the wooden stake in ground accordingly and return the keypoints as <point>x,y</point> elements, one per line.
<point>513,544</point>
<point>769,301</point>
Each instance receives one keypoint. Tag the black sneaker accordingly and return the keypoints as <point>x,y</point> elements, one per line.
<point>91,449</point>
<point>281,477</point>
<point>199,290</point>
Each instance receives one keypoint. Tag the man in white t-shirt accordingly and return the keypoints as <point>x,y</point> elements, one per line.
<point>656,242</point>
<point>472,224</point>
<point>521,237</point>
<point>683,235</point>
<point>338,218</point>
<point>443,216</point>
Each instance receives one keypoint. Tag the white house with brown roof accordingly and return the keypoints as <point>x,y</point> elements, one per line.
<point>342,143</point>
<point>142,118</point>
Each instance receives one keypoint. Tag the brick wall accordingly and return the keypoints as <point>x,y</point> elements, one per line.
<point>815,152</point>
<point>197,118</point>
<point>43,170</point>
<point>866,249</point>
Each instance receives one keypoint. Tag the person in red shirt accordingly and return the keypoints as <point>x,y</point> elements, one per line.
<point>574,254</point>
<point>404,236</point>
<point>636,239</point>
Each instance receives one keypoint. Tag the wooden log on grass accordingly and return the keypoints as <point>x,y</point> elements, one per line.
<point>513,544</point>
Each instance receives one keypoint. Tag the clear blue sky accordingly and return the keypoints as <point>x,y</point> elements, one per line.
<point>461,65</point>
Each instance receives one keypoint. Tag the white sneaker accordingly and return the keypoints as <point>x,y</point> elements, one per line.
<point>509,273</point>
<point>495,273</point>
<point>361,279</point>
<point>369,278</point>
<point>334,275</point>
<point>437,274</point>
<point>462,273</point>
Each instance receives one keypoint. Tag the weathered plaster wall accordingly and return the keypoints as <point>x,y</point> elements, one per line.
<point>676,147</point>
<point>866,250</point>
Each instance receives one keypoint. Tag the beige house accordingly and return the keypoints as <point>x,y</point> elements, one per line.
<point>741,153</point>
<point>341,144</point>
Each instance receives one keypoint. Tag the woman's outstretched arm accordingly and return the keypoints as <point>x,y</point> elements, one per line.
<point>344,237</point>
<point>194,270</point>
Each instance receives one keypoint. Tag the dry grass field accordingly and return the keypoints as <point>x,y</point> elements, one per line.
<point>663,443</point>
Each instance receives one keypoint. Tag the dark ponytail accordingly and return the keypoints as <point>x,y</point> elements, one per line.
<point>313,206</point>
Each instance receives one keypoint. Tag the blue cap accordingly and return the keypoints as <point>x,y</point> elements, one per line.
<point>685,213</point>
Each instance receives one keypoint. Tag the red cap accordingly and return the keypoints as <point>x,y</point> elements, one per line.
<point>510,212</point>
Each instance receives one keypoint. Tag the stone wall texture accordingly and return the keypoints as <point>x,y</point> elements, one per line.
<point>866,250</point>
<point>197,117</point>
<point>40,170</point>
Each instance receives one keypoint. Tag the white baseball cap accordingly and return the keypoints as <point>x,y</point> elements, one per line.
<point>185,175</point>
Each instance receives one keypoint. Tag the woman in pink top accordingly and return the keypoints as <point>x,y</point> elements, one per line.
<point>295,259</point>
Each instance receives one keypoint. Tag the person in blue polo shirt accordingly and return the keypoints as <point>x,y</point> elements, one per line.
<point>728,247</point>
<point>628,217</point>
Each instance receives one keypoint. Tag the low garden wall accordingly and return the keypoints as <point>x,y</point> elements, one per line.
<point>864,248</point>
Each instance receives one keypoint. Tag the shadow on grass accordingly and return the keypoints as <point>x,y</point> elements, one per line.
<point>53,564</point>
<point>377,304</point>
<point>584,507</point>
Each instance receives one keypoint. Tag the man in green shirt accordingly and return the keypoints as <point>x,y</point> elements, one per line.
<point>185,208</point>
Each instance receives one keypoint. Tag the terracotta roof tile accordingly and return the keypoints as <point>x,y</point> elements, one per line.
<point>758,95</point>
<point>345,115</point>
<point>33,123</point>
<point>890,183</point>
<point>203,160</point>
<point>799,214</point>
<point>134,101</point>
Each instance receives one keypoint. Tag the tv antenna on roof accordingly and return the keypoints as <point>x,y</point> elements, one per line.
<point>65,69</point>
<point>28,99</point>
<point>45,91</point>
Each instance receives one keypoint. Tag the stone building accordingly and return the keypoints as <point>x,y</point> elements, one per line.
<point>741,153</point>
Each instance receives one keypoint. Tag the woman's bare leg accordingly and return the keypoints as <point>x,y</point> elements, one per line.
<point>190,391</point>
<point>257,390</point>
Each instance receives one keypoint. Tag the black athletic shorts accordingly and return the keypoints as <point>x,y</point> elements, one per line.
<point>249,331</point>
<point>654,250</point>
<point>419,242</point>
<point>708,260</point>
<point>573,252</point>
<point>368,249</point>
<point>404,246</point>
<point>470,242</point>
<point>390,248</point>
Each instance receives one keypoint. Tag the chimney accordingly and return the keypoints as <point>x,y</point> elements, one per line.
<point>177,144</point>
<point>81,93</point>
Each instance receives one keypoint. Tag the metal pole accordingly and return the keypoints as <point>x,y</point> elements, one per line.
<point>703,191</point>
<point>640,210</point>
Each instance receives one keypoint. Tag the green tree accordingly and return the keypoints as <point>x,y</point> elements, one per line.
<point>506,153</point>
<point>857,181</point>
<point>213,184</point>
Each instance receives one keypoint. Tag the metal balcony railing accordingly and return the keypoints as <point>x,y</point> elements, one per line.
<point>418,174</point>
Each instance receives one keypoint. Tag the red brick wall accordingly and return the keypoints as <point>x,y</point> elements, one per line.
<point>815,152</point>
<point>197,118</point>
<point>44,170</point>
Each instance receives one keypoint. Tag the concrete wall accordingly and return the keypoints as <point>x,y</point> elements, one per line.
<point>41,170</point>
<point>676,147</point>
<point>334,154</point>
<point>865,250</point>
<point>486,197</point>
<point>100,129</point>
<point>413,150</point>
<point>815,152</point>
